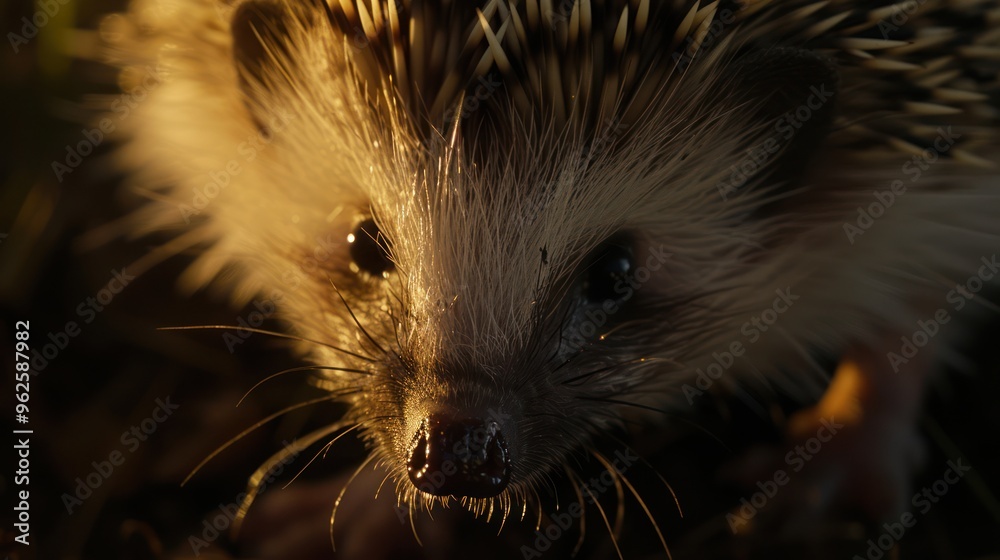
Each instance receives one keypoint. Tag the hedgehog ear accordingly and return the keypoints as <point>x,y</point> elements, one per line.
<point>260,31</point>
<point>793,94</point>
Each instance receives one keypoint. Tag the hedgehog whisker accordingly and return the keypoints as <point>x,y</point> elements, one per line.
<point>300,368</point>
<point>505,506</point>
<point>413,525</point>
<point>571,475</point>
<point>619,491</point>
<point>604,369</point>
<point>322,451</point>
<point>552,485</point>
<point>269,333</point>
<point>340,497</point>
<point>260,423</point>
<point>642,503</point>
<point>541,342</point>
<point>670,488</point>
<point>381,484</point>
<point>350,311</point>
<point>255,480</point>
<point>561,327</point>
<point>567,361</point>
<point>538,524</point>
<point>604,516</point>
<point>395,327</point>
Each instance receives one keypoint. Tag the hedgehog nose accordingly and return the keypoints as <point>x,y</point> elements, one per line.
<point>459,457</point>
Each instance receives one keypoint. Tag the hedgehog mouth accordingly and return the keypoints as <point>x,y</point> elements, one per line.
<point>459,456</point>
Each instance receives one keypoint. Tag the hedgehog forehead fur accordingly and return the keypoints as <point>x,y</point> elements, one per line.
<point>498,146</point>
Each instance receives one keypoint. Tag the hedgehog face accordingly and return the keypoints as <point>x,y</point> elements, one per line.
<point>544,227</point>
<point>518,269</point>
<point>533,297</point>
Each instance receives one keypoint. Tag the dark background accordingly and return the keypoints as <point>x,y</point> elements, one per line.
<point>59,251</point>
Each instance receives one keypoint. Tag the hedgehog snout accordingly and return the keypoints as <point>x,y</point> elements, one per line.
<point>459,456</point>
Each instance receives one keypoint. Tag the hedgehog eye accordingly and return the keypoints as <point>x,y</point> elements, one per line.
<point>612,265</point>
<point>370,249</point>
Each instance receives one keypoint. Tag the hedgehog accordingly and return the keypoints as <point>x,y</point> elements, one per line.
<point>548,222</point>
